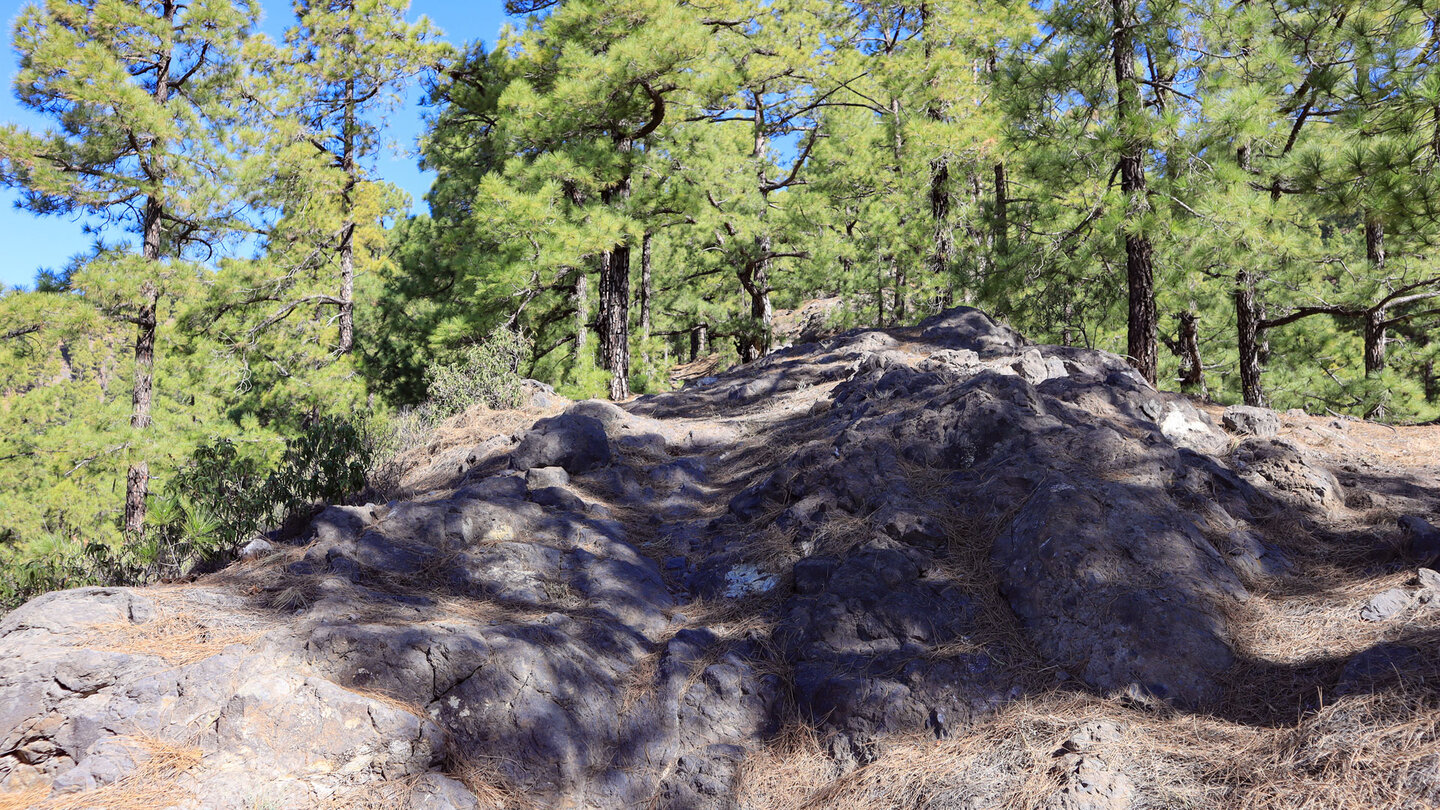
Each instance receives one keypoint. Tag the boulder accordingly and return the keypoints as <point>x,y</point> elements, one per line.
<point>572,441</point>
<point>1421,539</point>
<point>1247,420</point>
<point>1282,467</point>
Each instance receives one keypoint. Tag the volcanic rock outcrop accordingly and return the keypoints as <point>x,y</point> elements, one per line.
<point>885,532</point>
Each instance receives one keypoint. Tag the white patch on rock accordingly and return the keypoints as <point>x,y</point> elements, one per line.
<point>1187,431</point>
<point>744,580</point>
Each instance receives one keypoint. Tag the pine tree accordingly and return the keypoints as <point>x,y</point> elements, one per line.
<point>346,63</point>
<point>147,106</point>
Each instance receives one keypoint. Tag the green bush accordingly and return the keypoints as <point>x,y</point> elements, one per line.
<point>485,373</point>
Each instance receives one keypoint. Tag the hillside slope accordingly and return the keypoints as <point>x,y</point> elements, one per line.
<point>932,567</point>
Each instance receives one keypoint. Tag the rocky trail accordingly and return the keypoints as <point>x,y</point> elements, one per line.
<point>935,567</point>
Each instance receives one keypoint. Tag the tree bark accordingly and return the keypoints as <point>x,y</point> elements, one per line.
<point>1142,344</point>
<point>142,395</point>
<point>613,319</point>
<point>755,279</point>
<point>1375,337</point>
<point>582,312</point>
<point>137,478</point>
<point>645,290</point>
<point>699,341</point>
<point>941,260</point>
<point>1192,370</point>
<point>347,227</point>
<point>755,272</point>
<point>1001,220</point>
<point>1248,323</point>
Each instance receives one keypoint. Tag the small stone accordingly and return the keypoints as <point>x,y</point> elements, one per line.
<point>1376,667</point>
<point>747,579</point>
<point>1386,605</point>
<point>543,477</point>
<point>257,548</point>
<point>558,497</point>
<point>1429,579</point>
<point>1092,734</point>
<point>1032,367</point>
<point>1422,540</point>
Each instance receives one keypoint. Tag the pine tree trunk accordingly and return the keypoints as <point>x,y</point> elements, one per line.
<point>613,319</point>
<point>347,227</point>
<point>942,248</point>
<point>582,312</point>
<point>1001,220</point>
<point>941,260</point>
<point>142,395</point>
<point>755,272</point>
<point>1247,319</point>
<point>137,478</point>
<point>898,271</point>
<point>754,277</point>
<point>645,291</point>
<point>980,237</point>
<point>699,341</point>
<point>1375,338</point>
<point>1192,371</point>
<point>879,294</point>
<point>1142,344</point>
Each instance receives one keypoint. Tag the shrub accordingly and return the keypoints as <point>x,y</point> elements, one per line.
<point>485,373</point>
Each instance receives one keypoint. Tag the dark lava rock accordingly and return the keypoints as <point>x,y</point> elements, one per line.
<point>1377,667</point>
<point>573,441</point>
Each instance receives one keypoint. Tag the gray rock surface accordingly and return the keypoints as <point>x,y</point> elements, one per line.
<point>573,441</point>
<point>1387,605</point>
<point>1248,420</point>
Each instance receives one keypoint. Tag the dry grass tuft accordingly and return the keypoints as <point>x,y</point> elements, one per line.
<point>176,634</point>
<point>26,798</point>
<point>484,778</point>
<point>787,771</point>
<point>157,782</point>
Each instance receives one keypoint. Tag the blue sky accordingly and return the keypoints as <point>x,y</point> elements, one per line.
<point>28,243</point>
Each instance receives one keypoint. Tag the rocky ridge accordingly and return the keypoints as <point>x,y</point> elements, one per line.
<point>880,538</point>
